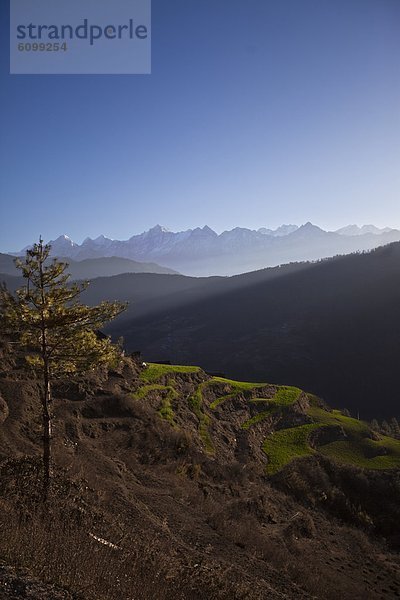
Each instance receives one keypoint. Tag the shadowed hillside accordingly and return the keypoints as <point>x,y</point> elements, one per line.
<point>333,327</point>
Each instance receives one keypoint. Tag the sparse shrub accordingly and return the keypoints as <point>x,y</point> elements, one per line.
<point>301,525</point>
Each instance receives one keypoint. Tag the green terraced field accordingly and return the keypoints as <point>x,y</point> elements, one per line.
<point>237,387</point>
<point>358,449</point>
<point>196,404</point>
<point>357,454</point>
<point>154,372</point>
<point>285,445</point>
<point>357,445</point>
<point>284,397</point>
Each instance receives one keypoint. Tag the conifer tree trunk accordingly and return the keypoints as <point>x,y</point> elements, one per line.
<point>46,398</point>
<point>47,435</point>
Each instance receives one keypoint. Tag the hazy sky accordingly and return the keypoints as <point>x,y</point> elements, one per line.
<point>258,112</point>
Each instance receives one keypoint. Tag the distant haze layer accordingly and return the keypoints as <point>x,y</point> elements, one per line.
<point>203,252</point>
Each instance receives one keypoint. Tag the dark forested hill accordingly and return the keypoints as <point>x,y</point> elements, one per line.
<point>331,327</point>
<point>93,267</point>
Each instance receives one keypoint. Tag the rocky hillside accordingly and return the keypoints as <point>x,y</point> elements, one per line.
<point>172,483</point>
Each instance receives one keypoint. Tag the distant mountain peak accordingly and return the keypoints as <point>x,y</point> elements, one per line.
<point>354,229</point>
<point>208,229</point>
<point>63,239</point>
<point>201,231</point>
<point>309,227</point>
<point>99,241</point>
<point>279,231</point>
<point>160,228</point>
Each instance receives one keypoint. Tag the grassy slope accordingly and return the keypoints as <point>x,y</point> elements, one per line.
<point>154,372</point>
<point>237,387</point>
<point>284,445</point>
<point>358,449</point>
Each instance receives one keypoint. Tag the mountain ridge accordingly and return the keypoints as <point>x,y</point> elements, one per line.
<point>91,268</point>
<point>203,252</point>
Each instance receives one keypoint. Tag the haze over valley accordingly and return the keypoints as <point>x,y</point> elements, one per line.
<point>203,252</point>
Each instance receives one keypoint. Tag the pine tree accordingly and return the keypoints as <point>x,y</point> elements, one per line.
<point>58,333</point>
<point>395,427</point>
<point>375,425</point>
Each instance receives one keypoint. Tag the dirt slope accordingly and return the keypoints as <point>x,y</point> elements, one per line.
<point>179,488</point>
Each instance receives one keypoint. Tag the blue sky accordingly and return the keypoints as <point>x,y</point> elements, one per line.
<point>257,112</point>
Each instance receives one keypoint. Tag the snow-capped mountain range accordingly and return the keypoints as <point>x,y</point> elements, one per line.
<point>202,251</point>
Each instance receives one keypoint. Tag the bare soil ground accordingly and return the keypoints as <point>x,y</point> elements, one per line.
<point>181,522</point>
